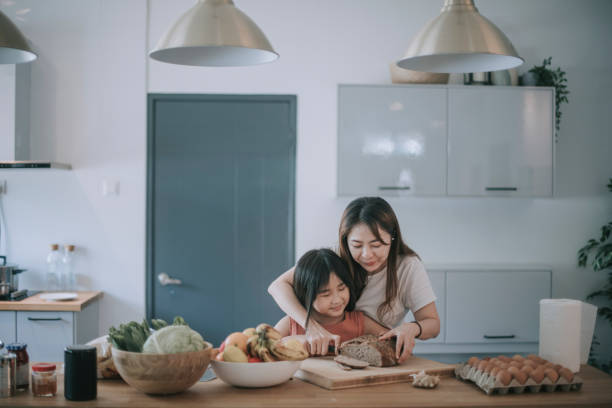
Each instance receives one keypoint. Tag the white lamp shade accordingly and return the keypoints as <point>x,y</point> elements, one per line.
<point>214,33</point>
<point>460,39</point>
<point>14,48</point>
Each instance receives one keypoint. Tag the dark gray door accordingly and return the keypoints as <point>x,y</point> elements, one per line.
<point>220,207</point>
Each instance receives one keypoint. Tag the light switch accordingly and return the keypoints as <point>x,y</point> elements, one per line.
<point>110,188</point>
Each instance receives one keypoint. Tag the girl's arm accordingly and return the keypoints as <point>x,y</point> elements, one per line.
<point>371,326</point>
<point>281,290</point>
<point>428,318</point>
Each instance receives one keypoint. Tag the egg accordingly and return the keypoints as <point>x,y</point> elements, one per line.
<point>519,375</point>
<point>482,365</point>
<point>548,364</point>
<point>537,375</point>
<point>515,363</point>
<point>527,369</point>
<point>567,374</point>
<point>505,359</point>
<point>531,363</point>
<point>503,377</point>
<point>473,361</point>
<point>495,370</point>
<point>557,367</point>
<point>518,357</point>
<point>551,374</point>
<point>504,366</point>
<point>494,360</point>
<point>490,366</point>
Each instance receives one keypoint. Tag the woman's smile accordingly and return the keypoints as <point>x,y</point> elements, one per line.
<point>367,250</point>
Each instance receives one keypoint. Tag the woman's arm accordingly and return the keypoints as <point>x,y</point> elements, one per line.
<point>428,318</point>
<point>281,290</point>
<point>284,326</point>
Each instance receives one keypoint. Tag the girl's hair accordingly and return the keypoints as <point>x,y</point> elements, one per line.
<point>374,212</point>
<point>312,272</point>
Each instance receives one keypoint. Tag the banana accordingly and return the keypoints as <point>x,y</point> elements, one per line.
<point>290,350</point>
<point>252,346</point>
<point>267,332</point>
<point>266,355</point>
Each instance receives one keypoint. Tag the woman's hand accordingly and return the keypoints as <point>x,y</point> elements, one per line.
<point>404,342</point>
<point>319,339</point>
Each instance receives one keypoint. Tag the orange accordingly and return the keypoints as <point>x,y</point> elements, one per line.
<point>237,339</point>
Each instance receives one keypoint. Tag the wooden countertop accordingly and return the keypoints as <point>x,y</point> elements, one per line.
<point>596,392</point>
<point>35,303</point>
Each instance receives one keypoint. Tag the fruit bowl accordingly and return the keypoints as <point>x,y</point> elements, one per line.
<point>255,375</point>
<point>162,373</point>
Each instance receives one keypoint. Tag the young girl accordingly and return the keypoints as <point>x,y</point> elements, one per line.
<point>322,284</point>
<point>388,278</point>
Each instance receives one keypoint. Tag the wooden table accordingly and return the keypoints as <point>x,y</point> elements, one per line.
<point>596,392</point>
<point>37,304</point>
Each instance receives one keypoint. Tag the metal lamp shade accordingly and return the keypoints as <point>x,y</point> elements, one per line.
<point>214,33</point>
<point>460,39</point>
<point>14,48</point>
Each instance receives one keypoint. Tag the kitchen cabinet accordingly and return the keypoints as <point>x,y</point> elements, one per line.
<point>500,141</point>
<point>8,327</point>
<point>495,306</point>
<point>391,140</point>
<point>487,309</point>
<point>435,140</point>
<point>48,327</point>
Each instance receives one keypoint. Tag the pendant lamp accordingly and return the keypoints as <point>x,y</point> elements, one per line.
<point>460,39</point>
<point>214,33</point>
<point>14,48</point>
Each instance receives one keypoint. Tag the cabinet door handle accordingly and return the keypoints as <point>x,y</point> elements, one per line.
<point>507,336</point>
<point>44,319</point>
<point>501,188</point>
<point>393,188</point>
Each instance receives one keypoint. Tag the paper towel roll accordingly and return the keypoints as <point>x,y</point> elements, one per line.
<point>566,331</point>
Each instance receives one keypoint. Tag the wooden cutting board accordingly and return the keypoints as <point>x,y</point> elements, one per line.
<point>324,372</point>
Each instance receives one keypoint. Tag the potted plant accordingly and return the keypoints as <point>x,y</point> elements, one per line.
<point>601,249</point>
<point>542,75</point>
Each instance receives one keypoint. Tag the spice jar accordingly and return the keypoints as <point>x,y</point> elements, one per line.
<point>44,380</point>
<point>22,364</point>
<point>7,375</point>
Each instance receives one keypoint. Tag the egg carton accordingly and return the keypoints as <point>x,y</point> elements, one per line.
<point>490,385</point>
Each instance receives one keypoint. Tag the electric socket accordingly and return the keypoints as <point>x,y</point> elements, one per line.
<point>2,186</point>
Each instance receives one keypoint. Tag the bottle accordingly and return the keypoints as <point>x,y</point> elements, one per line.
<point>53,262</point>
<point>68,281</point>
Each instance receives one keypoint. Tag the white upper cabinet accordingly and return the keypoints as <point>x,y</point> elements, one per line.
<point>391,140</point>
<point>500,141</point>
<point>396,140</point>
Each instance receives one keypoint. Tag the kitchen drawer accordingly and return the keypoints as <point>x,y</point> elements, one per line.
<point>494,306</point>
<point>8,327</point>
<point>46,334</point>
<point>437,279</point>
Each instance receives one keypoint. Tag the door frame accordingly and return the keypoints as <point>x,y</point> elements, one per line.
<point>152,99</point>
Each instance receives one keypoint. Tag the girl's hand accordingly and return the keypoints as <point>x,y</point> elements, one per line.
<point>319,339</point>
<point>404,344</point>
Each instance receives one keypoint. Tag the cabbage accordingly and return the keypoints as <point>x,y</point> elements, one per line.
<point>174,339</point>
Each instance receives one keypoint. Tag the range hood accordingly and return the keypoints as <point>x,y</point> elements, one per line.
<point>15,142</point>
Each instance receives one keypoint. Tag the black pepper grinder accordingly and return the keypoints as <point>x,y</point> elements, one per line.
<point>80,379</point>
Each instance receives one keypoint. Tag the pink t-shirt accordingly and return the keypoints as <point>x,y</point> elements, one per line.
<point>347,329</point>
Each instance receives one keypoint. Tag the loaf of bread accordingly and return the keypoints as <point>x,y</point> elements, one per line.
<point>378,353</point>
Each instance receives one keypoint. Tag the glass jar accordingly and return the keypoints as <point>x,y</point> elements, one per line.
<point>44,380</point>
<point>22,364</point>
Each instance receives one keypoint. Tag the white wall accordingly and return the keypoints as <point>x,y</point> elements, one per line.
<point>88,108</point>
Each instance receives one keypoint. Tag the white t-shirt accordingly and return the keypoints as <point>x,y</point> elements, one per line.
<point>414,292</point>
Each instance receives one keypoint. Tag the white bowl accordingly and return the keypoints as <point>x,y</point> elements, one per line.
<point>254,375</point>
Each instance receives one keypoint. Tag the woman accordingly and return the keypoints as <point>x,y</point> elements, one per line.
<point>388,276</point>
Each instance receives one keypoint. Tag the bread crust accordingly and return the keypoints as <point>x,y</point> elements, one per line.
<point>378,353</point>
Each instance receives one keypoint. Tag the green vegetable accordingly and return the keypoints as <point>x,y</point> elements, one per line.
<point>132,336</point>
<point>174,339</point>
